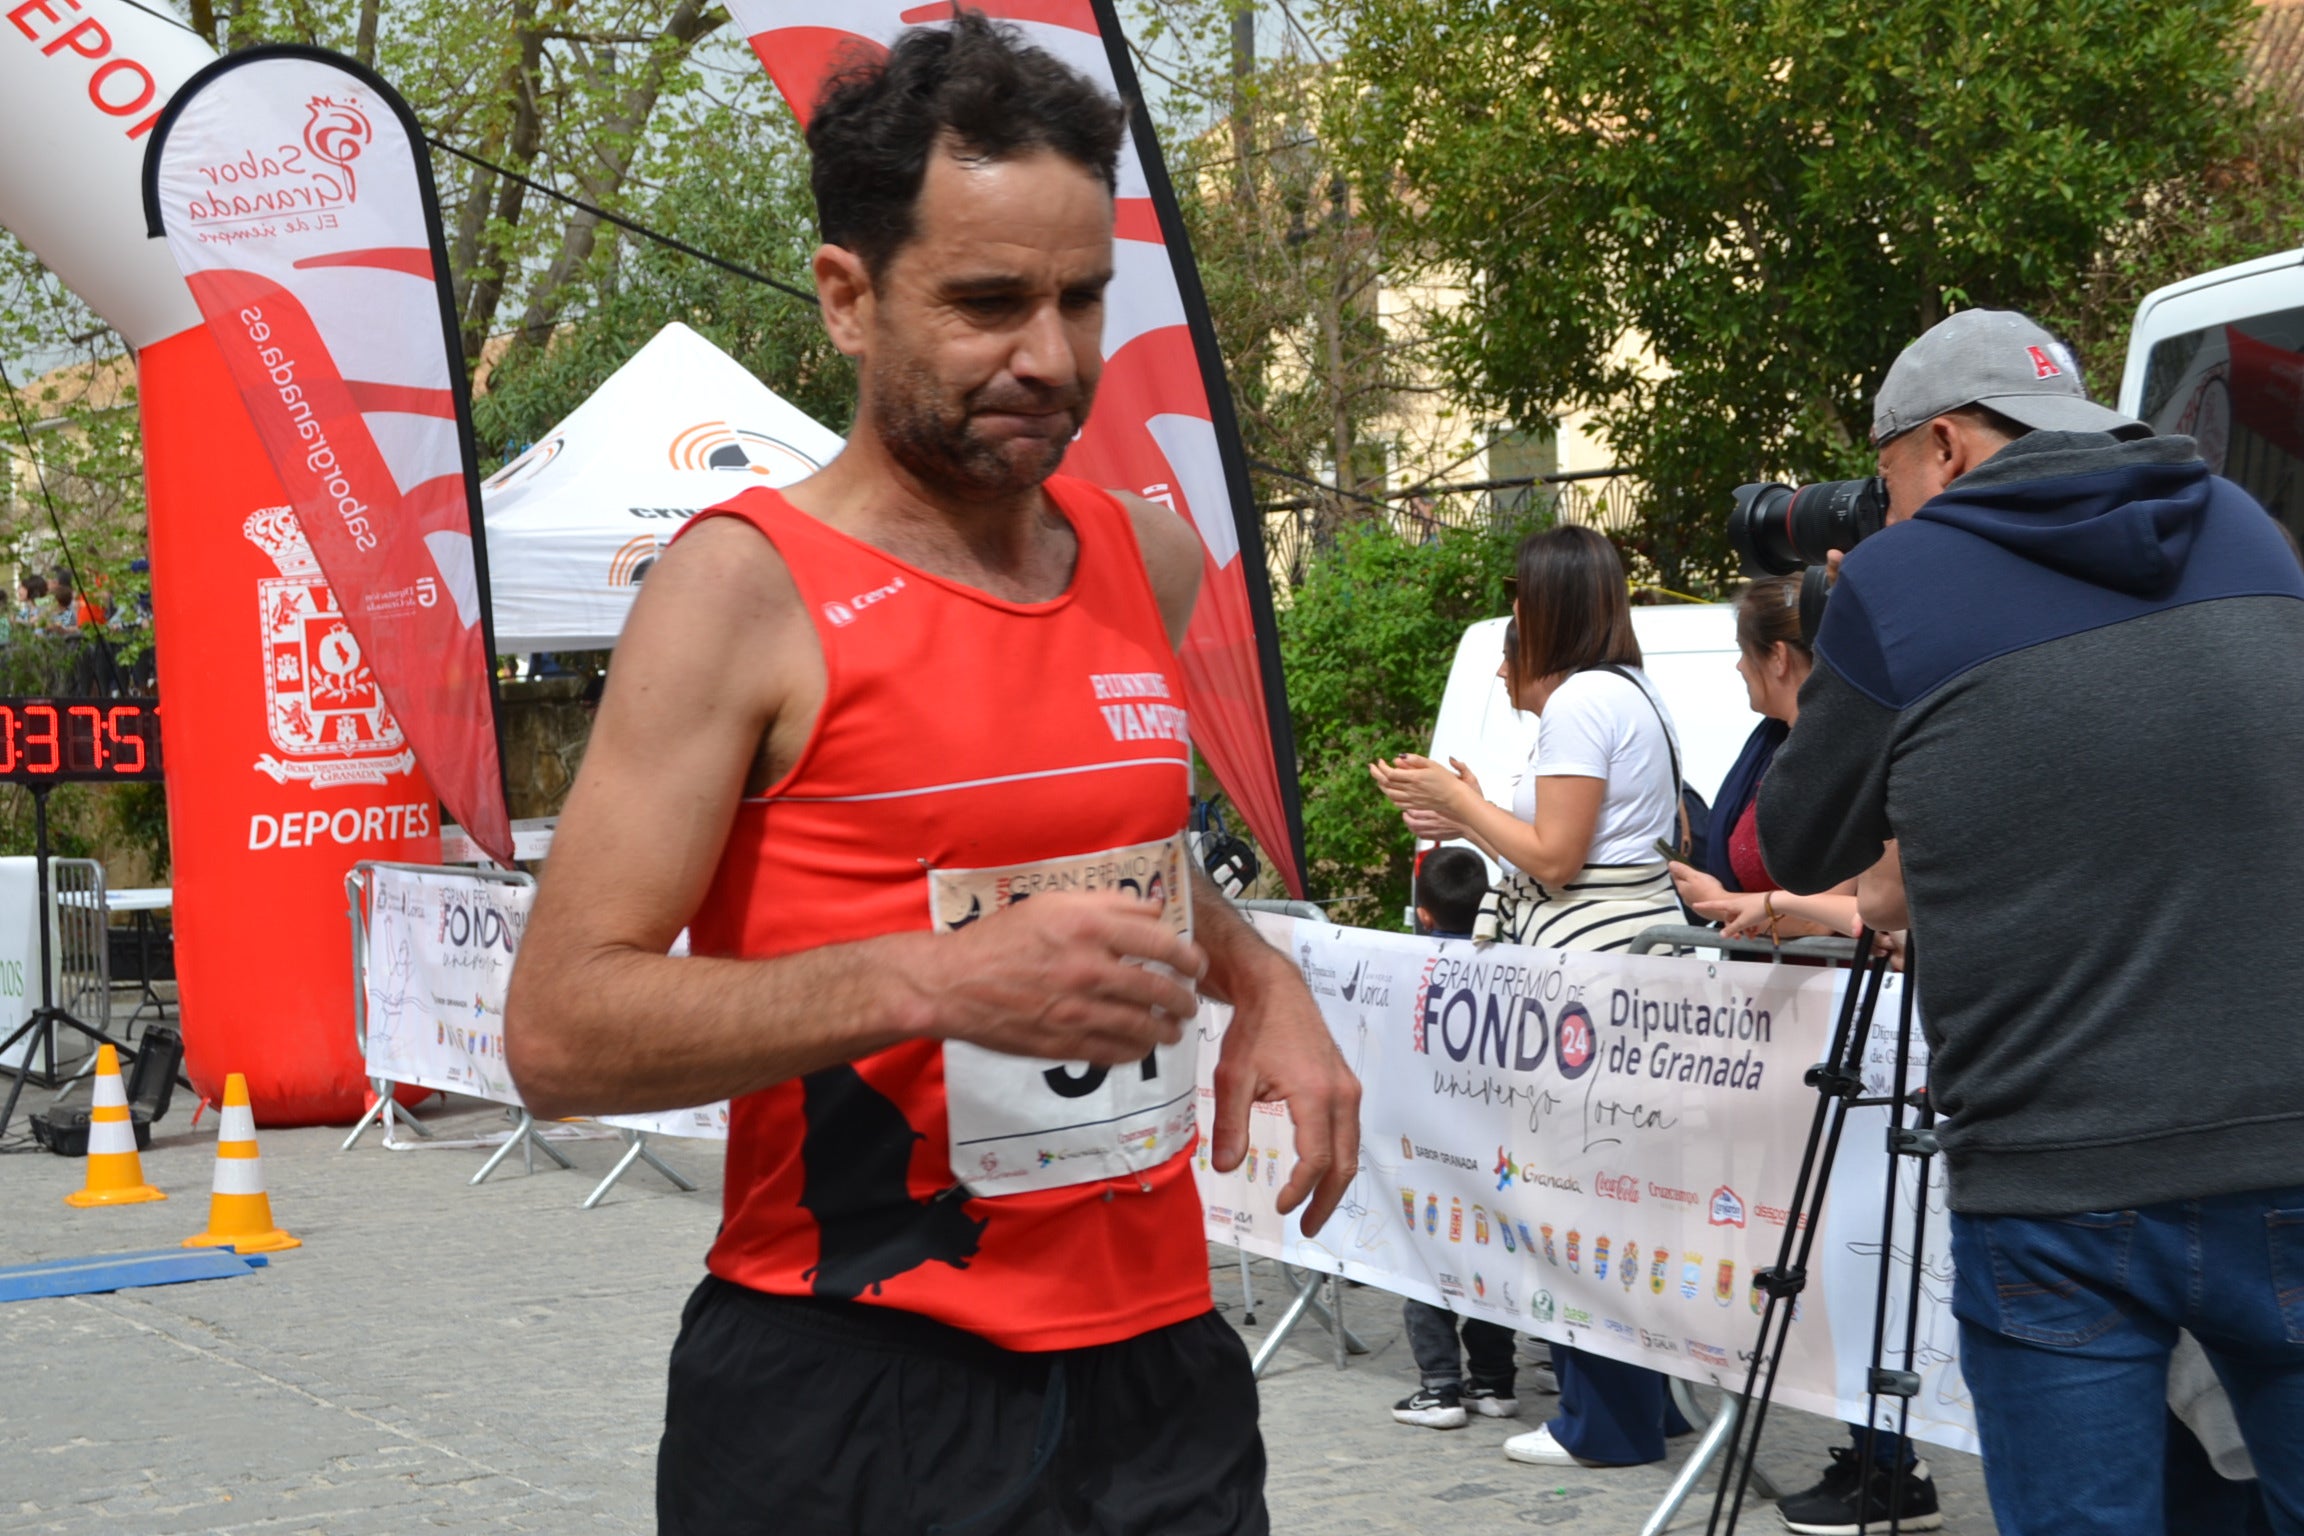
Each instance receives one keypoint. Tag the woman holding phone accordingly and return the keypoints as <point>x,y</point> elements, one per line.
<point>1582,872</point>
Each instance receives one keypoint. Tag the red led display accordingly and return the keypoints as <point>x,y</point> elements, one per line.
<point>53,741</point>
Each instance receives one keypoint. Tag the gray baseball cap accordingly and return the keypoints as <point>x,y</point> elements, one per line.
<point>1995,358</point>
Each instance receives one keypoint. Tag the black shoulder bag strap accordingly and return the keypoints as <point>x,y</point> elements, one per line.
<point>1687,842</point>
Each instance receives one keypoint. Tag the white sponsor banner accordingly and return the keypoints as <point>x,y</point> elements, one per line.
<point>440,951</point>
<point>1598,1149</point>
<point>20,964</point>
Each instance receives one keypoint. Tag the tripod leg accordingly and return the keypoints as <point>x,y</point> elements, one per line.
<point>1839,1080</point>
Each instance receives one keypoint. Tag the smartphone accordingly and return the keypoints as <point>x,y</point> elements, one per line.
<point>1671,854</point>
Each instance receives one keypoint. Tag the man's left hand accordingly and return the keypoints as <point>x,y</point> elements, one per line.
<point>1278,1050</point>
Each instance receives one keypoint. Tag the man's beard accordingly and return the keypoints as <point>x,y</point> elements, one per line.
<point>942,447</point>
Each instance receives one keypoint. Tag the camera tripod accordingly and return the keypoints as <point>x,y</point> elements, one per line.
<point>41,1027</point>
<point>1839,1084</point>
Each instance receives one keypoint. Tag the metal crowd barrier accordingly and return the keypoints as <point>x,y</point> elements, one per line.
<point>357,891</point>
<point>83,950</point>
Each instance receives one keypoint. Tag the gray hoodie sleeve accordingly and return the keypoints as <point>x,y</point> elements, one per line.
<point>1824,803</point>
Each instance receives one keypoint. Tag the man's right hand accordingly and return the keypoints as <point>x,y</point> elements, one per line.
<point>1063,977</point>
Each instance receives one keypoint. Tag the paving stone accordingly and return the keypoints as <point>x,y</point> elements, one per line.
<point>439,1357</point>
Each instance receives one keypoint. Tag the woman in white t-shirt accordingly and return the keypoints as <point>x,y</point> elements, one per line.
<point>1602,786</point>
<point>1582,872</point>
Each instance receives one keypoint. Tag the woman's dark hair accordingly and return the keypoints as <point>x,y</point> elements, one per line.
<point>1768,615</point>
<point>1512,661</point>
<point>1571,604</point>
<point>35,587</point>
<point>976,88</point>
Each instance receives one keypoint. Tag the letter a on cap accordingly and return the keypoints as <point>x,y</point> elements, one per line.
<point>2044,366</point>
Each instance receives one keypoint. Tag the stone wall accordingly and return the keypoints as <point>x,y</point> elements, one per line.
<point>546,724</point>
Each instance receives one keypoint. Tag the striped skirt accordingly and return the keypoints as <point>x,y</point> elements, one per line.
<point>1606,906</point>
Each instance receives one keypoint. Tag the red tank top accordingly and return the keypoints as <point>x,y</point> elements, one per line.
<point>963,733</point>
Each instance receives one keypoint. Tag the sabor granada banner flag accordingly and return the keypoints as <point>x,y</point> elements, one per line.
<point>292,190</point>
<point>1163,424</point>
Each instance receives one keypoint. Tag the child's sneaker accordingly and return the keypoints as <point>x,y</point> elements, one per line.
<point>1434,1408</point>
<point>1492,1404</point>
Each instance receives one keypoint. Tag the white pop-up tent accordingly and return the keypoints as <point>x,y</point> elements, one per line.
<point>575,522</point>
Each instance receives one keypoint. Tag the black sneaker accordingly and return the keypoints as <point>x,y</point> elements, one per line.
<point>1852,1497</point>
<point>1434,1408</point>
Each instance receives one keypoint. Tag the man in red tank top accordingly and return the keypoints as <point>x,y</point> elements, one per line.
<point>905,749</point>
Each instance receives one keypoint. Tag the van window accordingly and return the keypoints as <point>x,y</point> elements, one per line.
<point>2239,390</point>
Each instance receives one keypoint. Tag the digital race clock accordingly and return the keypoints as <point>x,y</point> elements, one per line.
<point>55,741</point>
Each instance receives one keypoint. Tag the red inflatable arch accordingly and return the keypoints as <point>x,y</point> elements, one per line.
<point>270,800</point>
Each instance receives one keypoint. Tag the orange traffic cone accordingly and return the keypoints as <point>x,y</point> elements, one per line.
<point>115,1172</point>
<point>239,1212</point>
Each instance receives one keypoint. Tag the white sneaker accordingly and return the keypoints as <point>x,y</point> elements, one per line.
<point>1537,1448</point>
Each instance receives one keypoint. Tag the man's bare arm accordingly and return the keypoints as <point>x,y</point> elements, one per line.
<point>1278,1048</point>
<point>717,656</point>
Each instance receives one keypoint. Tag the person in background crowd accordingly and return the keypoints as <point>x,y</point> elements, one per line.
<point>1582,872</point>
<point>63,615</point>
<point>32,603</point>
<point>1450,882</point>
<point>1736,890</point>
<point>2057,681</point>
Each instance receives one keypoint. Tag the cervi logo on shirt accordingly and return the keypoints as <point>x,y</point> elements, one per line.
<point>843,614</point>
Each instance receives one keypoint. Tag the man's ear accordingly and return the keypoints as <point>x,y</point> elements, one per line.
<point>844,297</point>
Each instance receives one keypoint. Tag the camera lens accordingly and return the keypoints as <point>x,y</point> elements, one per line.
<point>1777,529</point>
<point>1757,529</point>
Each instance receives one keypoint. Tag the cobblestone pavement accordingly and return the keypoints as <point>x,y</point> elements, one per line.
<point>438,1357</point>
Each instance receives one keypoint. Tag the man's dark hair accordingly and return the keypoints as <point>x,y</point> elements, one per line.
<point>1449,885</point>
<point>975,88</point>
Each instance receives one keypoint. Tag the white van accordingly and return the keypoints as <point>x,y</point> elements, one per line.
<point>1690,650</point>
<point>2220,358</point>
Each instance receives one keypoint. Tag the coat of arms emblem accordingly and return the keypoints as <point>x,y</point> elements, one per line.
<point>321,703</point>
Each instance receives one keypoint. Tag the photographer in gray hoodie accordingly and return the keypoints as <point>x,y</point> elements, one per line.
<point>2068,679</point>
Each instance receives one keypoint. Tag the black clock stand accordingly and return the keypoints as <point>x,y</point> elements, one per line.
<point>40,1028</point>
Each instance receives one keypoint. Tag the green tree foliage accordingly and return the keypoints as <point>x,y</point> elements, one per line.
<point>748,201</point>
<point>2231,210</point>
<point>1325,359</point>
<point>1367,645</point>
<point>1716,222</point>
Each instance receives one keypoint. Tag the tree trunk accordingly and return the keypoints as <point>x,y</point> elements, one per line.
<point>492,248</point>
<point>618,136</point>
<point>1243,109</point>
<point>364,40</point>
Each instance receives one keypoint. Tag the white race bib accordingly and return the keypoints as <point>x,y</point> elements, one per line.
<point>1019,1123</point>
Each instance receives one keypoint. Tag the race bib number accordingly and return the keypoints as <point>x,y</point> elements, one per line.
<point>1020,1123</point>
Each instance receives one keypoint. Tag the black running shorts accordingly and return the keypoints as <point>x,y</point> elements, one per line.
<point>805,1417</point>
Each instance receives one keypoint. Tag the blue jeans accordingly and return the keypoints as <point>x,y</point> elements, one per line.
<point>2065,1328</point>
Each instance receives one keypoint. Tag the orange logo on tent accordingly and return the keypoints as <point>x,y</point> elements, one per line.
<point>717,445</point>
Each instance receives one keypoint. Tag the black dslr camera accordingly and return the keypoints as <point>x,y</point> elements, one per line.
<point>1778,530</point>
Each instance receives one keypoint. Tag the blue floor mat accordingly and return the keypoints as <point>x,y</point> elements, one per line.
<point>120,1271</point>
